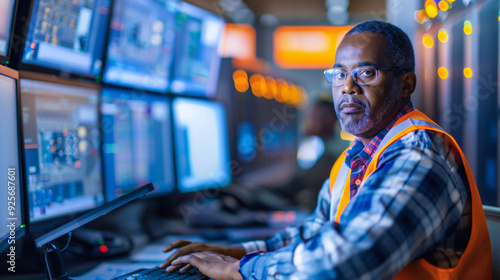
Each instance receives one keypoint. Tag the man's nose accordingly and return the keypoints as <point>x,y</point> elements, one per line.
<point>350,86</point>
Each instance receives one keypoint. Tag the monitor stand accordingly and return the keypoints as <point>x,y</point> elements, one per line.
<point>52,254</point>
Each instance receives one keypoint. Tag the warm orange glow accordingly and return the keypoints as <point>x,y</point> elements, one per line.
<point>238,41</point>
<point>258,85</point>
<point>304,99</point>
<point>307,47</point>
<point>443,36</point>
<point>442,73</point>
<point>422,15</point>
<point>467,27</point>
<point>443,5</point>
<point>272,88</point>
<point>468,72</point>
<point>431,8</point>
<point>240,79</point>
<point>283,90</point>
<point>294,95</point>
<point>417,17</point>
<point>427,41</point>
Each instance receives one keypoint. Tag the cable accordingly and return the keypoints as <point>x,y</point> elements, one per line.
<point>67,244</point>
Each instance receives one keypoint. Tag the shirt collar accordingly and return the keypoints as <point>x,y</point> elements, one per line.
<point>365,153</point>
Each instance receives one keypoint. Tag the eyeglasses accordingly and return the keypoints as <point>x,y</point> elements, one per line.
<point>364,75</point>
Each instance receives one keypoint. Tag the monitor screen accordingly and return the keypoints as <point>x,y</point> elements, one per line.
<point>140,46</point>
<point>201,144</point>
<point>6,16</point>
<point>137,142</point>
<point>67,35</point>
<point>61,144</point>
<point>11,175</point>
<point>197,63</point>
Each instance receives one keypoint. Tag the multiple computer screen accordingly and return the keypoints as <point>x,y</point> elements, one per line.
<point>85,145</point>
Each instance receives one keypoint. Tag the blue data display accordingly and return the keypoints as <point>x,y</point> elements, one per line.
<point>68,35</point>
<point>6,16</point>
<point>137,144</point>
<point>61,145</point>
<point>197,63</point>
<point>202,145</point>
<point>141,42</point>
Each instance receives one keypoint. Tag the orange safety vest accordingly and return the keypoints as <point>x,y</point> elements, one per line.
<point>475,263</point>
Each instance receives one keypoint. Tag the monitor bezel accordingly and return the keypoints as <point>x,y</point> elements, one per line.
<point>21,231</point>
<point>182,189</point>
<point>41,225</point>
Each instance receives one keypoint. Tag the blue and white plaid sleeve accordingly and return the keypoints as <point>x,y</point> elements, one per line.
<point>411,203</point>
<point>291,235</point>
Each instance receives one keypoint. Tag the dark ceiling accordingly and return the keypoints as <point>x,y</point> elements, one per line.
<point>301,10</point>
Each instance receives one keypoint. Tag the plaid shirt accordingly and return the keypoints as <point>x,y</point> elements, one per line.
<point>414,205</point>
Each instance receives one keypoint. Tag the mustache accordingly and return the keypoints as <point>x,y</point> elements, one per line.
<point>351,99</point>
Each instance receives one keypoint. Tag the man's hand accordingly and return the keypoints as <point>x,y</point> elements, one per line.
<point>215,266</point>
<point>187,247</point>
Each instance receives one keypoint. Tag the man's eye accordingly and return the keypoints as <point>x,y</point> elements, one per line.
<point>366,73</point>
<point>339,75</point>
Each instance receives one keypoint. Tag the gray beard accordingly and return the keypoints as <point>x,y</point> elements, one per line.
<point>367,127</point>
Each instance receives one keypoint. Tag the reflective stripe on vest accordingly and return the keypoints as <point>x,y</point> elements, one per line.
<point>475,262</point>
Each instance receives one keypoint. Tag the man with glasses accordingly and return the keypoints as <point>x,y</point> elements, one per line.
<point>400,202</point>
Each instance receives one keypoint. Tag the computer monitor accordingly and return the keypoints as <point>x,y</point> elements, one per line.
<point>137,142</point>
<point>141,42</point>
<point>67,35</point>
<point>7,8</point>
<point>201,144</point>
<point>12,198</point>
<point>197,63</point>
<point>62,147</point>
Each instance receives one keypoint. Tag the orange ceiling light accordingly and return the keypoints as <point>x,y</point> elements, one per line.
<point>307,47</point>
<point>272,88</point>
<point>257,84</point>
<point>240,79</point>
<point>467,27</point>
<point>442,73</point>
<point>431,8</point>
<point>427,41</point>
<point>443,5</point>
<point>443,36</point>
<point>468,72</point>
<point>238,41</point>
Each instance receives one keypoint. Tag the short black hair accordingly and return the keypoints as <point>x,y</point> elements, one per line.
<point>399,47</point>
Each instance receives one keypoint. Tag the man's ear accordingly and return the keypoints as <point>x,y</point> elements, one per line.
<point>409,84</point>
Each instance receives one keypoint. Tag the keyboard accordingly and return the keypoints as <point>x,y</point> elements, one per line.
<point>160,273</point>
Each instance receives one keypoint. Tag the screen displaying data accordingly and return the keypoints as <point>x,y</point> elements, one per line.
<point>201,144</point>
<point>68,35</point>
<point>61,144</point>
<point>197,63</point>
<point>6,16</point>
<point>137,143</point>
<point>11,201</point>
<point>141,42</point>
